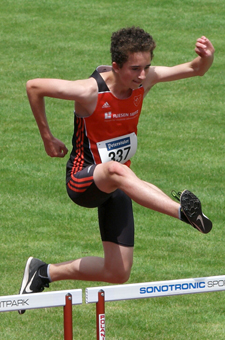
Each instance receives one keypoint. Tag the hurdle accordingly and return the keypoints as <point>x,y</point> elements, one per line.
<point>100,295</point>
<point>63,298</point>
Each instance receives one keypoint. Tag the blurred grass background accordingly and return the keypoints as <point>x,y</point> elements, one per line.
<point>181,145</point>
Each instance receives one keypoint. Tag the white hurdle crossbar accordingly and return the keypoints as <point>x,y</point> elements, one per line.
<point>100,295</point>
<point>63,298</point>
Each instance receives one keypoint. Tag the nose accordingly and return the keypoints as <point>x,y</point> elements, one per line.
<point>142,74</point>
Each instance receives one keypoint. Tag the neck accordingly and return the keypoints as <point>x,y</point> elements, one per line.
<point>115,86</point>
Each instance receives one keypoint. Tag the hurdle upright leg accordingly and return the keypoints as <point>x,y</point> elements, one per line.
<point>100,315</point>
<point>68,321</point>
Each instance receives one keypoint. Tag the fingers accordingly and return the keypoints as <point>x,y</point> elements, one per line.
<point>62,151</point>
<point>204,47</point>
<point>56,149</point>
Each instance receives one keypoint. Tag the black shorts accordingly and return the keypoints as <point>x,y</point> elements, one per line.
<point>115,211</point>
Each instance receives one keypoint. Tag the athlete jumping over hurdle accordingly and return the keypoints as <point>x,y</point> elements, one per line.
<point>98,174</point>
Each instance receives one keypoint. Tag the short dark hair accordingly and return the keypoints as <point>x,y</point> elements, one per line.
<point>130,40</point>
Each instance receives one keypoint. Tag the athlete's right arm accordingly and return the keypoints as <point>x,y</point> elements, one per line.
<point>81,91</point>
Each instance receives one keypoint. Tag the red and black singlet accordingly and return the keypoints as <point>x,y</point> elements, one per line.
<point>110,132</point>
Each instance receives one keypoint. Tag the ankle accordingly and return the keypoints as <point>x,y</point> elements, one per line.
<point>182,217</point>
<point>44,273</point>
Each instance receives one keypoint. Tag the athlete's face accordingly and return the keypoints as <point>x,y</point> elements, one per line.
<point>134,71</point>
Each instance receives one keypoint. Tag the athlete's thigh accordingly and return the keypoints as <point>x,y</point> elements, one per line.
<point>116,219</point>
<point>82,190</point>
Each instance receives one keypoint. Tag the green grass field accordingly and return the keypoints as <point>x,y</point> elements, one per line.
<point>181,145</point>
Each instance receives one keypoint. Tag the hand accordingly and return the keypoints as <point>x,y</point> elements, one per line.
<point>55,148</point>
<point>204,47</point>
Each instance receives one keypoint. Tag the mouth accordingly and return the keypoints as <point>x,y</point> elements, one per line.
<point>137,82</point>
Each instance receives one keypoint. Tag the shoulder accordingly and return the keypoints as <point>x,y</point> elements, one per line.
<point>88,97</point>
<point>152,78</point>
<point>87,90</point>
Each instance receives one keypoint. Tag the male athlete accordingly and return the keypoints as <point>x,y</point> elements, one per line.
<point>107,109</point>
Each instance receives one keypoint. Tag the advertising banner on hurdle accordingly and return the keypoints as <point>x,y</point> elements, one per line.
<point>157,289</point>
<point>39,300</point>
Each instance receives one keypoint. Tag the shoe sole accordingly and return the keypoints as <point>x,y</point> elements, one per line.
<point>24,282</point>
<point>191,207</point>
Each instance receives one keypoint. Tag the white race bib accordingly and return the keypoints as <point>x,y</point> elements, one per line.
<point>119,149</point>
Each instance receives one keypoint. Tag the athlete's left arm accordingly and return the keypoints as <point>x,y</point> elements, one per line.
<point>197,67</point>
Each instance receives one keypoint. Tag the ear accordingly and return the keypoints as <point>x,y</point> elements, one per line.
<point>115,67</point>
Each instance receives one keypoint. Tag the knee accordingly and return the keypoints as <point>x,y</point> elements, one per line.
<point>116,173</point>
<point>118,262</point>
<point>123,277</point>
<point>115,168</point>
<point>120,275</point>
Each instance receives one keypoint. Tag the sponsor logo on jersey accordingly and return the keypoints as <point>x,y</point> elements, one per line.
<point>106,105</point>
<point>108,115</point>
<point>137,100</point>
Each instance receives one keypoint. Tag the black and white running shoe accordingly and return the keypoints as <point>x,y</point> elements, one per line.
<point>32,281</point>
<point>191,208</point>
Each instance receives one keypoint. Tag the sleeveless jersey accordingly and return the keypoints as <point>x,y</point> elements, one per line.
<point>110,133</point>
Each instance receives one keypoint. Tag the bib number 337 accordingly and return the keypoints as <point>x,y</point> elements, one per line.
<point>119,149</point>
